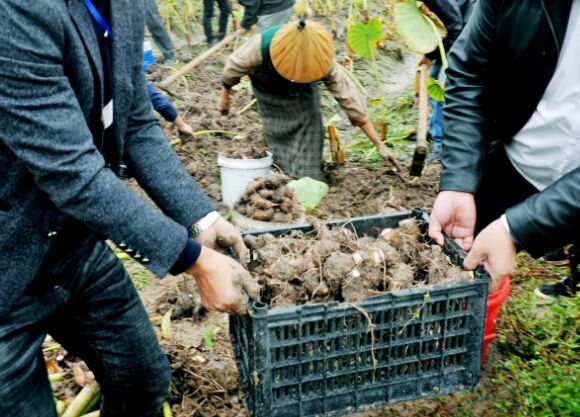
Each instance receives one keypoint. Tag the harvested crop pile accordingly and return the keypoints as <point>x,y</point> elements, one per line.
<point>335,264</point>
<point>269,199</point>
<point>246,153</point>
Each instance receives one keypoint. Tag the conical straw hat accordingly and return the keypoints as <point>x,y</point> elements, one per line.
<point>302,52</point>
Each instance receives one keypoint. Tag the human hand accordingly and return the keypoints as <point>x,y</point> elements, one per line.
<point>224,102</point>
<point>453,213</point>
<point>426,61</point>
<point>495,250</point>
<point>222,234</point>
<point>183,127</point>
<point>220,281</point>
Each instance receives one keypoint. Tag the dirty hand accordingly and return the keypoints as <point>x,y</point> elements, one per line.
<point>426,61</point>
<point>224,102</point>
<point>453,213</point>
<point>220,281</point>
<point>222,234</point>
<point>495,249</point>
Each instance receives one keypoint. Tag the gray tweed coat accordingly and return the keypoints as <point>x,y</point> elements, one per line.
<point>51,137</point>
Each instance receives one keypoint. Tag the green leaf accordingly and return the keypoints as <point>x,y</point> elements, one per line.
<point>363,38</point>
<point>415,28</point>
<point>435,90</point>
<point>208,338</point>
<point>309,192</point>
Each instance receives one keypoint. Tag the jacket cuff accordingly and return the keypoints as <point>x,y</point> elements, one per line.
<point>524,233</point>
<point>188,257</point>
<point>459,181</point>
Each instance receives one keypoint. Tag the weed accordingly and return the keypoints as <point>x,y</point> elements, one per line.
<point>539,377</point>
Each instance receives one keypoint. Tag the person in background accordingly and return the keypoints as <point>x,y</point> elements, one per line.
<point>160,103</point>
<point>167,110</point>
<point>208,11</point>
<point>454,14</point>
<point>73,107</point>
<point>286,65</point>
<point>511,151</point>
<point>266,13</point>
<point>160,36</point>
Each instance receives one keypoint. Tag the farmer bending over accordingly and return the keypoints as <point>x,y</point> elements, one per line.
<point>73,108</point>
<point>286,64</point>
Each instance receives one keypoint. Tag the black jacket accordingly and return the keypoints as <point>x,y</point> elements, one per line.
<point>256,8</point>
<point>453,14</point>
<point>498,71</point>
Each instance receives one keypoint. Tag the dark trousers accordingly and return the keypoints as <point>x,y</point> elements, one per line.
<point>208,10</point>
<point>155,25</point>
<point>501,187</point>
<point>85,300</point>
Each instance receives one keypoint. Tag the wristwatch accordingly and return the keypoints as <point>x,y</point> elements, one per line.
<point>203,224</point>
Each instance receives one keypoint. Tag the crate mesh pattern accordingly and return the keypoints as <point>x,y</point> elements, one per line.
<point>334,359</point>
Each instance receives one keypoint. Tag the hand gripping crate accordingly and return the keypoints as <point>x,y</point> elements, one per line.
<point>335,358</point>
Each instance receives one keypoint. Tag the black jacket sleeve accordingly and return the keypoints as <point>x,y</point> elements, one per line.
<point>465,143</point>
<point>548,219</point>
<point>251,13</point>
<point>450,14</point>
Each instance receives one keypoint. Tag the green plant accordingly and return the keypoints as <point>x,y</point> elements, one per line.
<point>363,39</point>
<point>208,335</point>
<point>309,192</point>
<point>542,343</point>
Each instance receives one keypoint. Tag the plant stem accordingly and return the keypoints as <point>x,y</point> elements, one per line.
<point>83,398</point>
<point>378,79</point>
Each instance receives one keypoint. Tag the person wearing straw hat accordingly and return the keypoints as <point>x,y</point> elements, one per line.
<point>286,65</point>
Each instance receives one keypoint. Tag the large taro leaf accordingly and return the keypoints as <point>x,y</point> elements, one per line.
<point>309,192</point>
<point>415,28</point>
<point>363,38</point>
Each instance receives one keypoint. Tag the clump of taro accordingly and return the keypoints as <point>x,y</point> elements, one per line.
<point>335,264</point>
<point>245,153</point>
<point>269,199</point>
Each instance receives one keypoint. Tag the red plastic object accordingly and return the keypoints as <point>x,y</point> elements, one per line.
<point>494,303</point>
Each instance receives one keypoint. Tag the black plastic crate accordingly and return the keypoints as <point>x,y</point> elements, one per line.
<point>328,360</point>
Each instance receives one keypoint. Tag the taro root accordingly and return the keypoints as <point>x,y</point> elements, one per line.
<point>269,199</point>
<point>336,268</point>
<point>401,277</point>
<point>287,268</point>
<point>335,264</point>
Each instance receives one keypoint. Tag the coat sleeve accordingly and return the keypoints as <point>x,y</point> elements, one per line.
<point>347,94</point>
<point>243,61</point>
<point>151,159</point>
<point>450,15</point>
<point>465,142</point>
<point>44,126</point>
<point>251,13</point>
<point>548,219</point>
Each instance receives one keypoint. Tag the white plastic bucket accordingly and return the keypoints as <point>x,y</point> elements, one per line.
<point>237,173</point>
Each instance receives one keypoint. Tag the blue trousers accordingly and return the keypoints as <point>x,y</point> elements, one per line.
<point>84,299</point>
<point>436,120</point>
